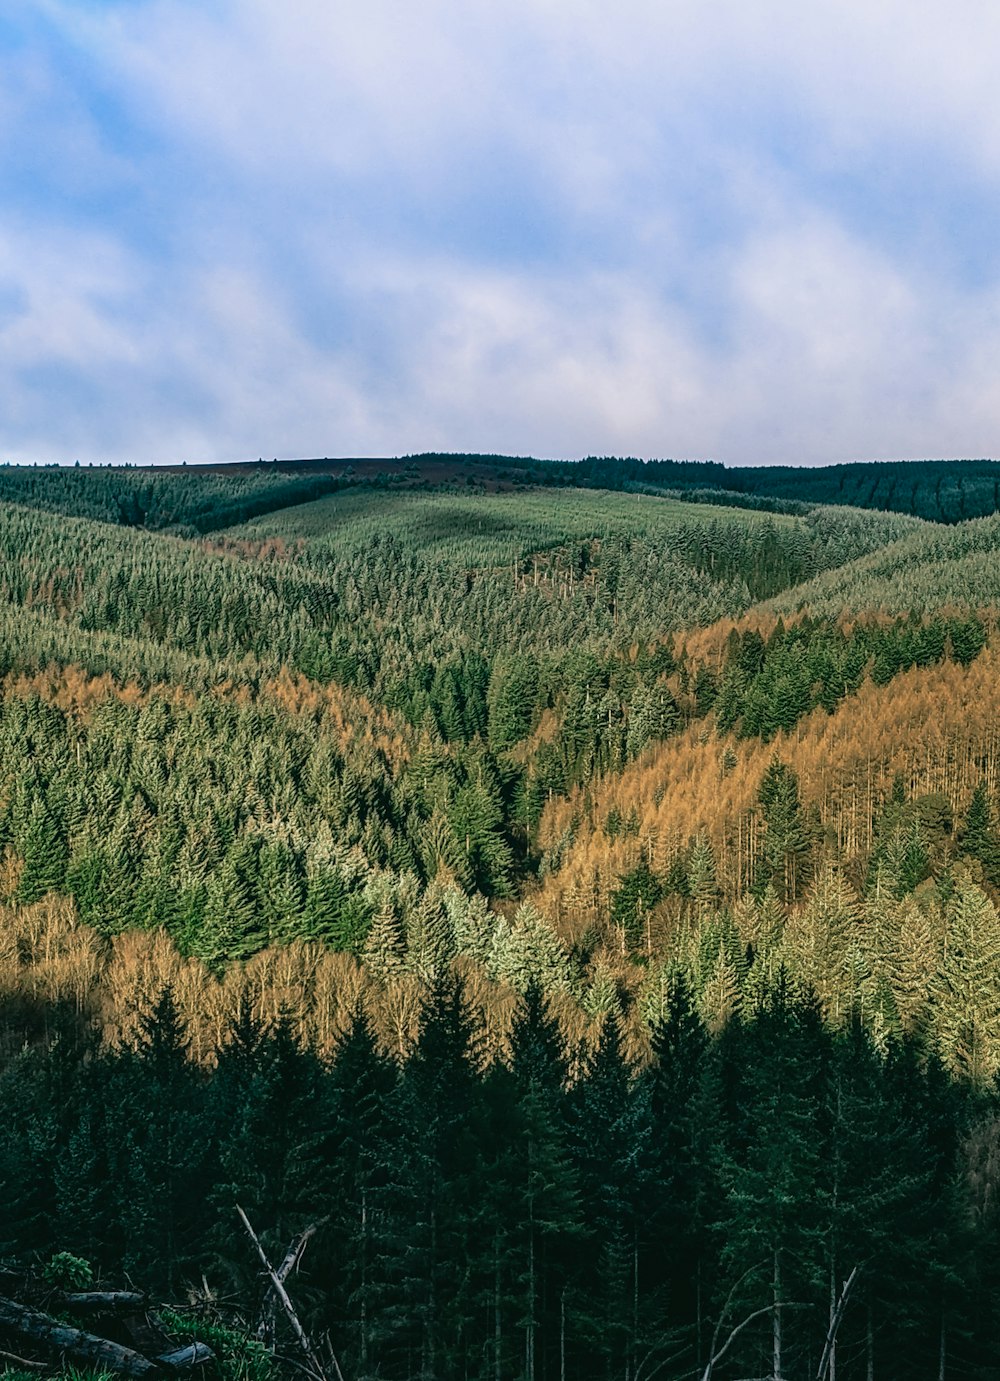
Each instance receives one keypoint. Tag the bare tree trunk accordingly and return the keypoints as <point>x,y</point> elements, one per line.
<point>497,1317</point>
<point>529,1340</point>
<point>698,1318</point>
<point>363,1340</point>
<point>870,1346</point>
<point>562,1334</point>
<point>776,1320</point>
<point>838,1306</point>
<point>282,1294</point>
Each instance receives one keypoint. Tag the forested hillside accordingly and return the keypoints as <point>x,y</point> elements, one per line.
<point>943,491</point>
<point>580,903</point>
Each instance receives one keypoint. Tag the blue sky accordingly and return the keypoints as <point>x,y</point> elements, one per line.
<point>761,232</point>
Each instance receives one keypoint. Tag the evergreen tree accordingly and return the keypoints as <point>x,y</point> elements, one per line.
<point>967,1005</point>
<point>385,947</point>
<point>771,1168</point>
<point>45,854</point>
<point>611,1133</point>
<point>703,886</point>
<point>543,1188</point>
<point>160,1159</point>
<point>684,1099</point>
<point>426,1203</point>
<point>784,861</point>
<point>637,894</point>
<point>819,942</point>
<point>979,836</point>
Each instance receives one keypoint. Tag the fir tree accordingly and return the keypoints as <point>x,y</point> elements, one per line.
<point>784,861</point>
<point>967,1015</point>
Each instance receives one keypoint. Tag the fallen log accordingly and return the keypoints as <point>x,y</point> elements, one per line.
<point>184,1358</point>
<point>146,1334</point>
<point>45,1331</point>
<point>103,1301</point>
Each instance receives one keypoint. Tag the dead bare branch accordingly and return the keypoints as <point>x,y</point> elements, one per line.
<point>301,1336</point>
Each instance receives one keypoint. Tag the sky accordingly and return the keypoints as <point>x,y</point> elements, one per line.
<point>742,230</point>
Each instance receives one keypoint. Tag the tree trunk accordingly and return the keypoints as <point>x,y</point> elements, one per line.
<point>529,1339</point>
<point>562,1335</point>
<point>497,1317</point>
<point>870,1346</point>
<point>634,1340</point>
<point>698,1319</point>
<point>776,1321</point>
<point>363,1340</point>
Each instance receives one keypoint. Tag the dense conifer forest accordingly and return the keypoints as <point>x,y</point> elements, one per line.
<point>571,895</point>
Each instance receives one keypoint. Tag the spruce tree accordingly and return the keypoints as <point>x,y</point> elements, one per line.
<point>784,860</point>
<point>771,1170</point>
<point>967,995</point>
<point>979,837</point>
<point>45,854</point>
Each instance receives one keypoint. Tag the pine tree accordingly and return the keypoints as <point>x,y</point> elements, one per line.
<point>721,994</point>
<point>819,942</point>
<point>979,837</point>
<point>610,1135</point>
<point>880,1191</point>
<point>771,1165</point>
<point>45,854</point>
<point>424,1242</point>
<point>160,1155</point>
<point>429,939</point>
<point>637,894</point>
<point>784,861</point>
<point>511,697</point>
<point>543,1189</point>
<point>341,1167</point>
<point>703,886</point>
<point>684,1098</point>
<point>967,997</point>
<point>471,923</point>
<point>602,998</point>
<point>384,948</point>
<point>527,951</point>
<point>968,638</point>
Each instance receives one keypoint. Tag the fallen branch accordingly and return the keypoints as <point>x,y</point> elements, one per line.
<point>835,1322</point>
<point>295,1252</point>
<point>104,1301</point>
<point>269,1307</point>
<point>717,1353</point>
<point>186,1358</point>
<point>301,1336</point>
<point>24,1363</point>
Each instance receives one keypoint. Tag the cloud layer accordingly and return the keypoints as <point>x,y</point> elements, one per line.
<point>750,232</point>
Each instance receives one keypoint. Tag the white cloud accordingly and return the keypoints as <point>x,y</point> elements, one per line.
<point>293,232</point>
